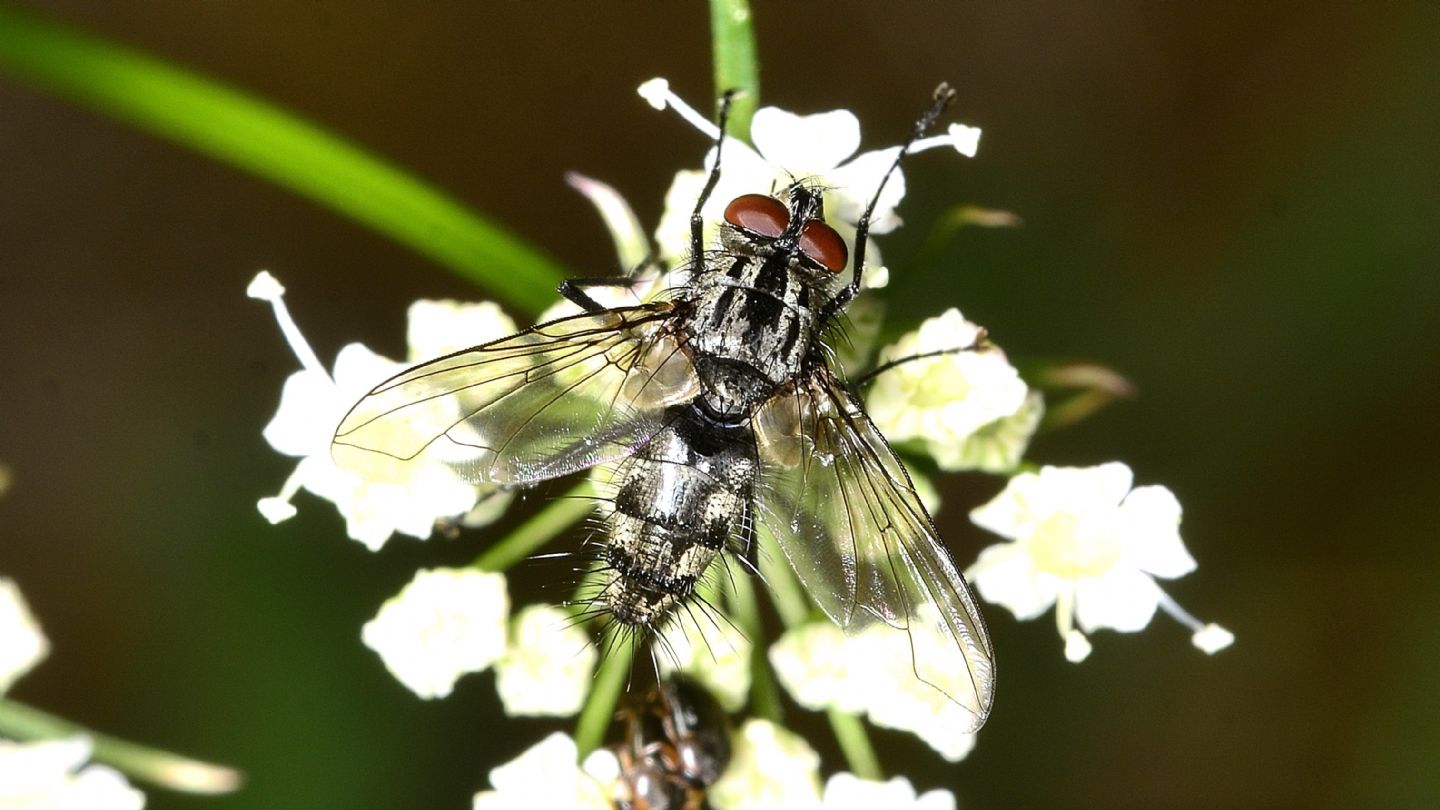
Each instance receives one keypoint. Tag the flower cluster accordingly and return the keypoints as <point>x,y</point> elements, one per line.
<point>449,622</point>
<point>771,767</point>
<point>54,774</point>
<point>965,407</point>
<point>1081,539</point>
<point>400,498</point>
<point>870,673</point>
<point>50,773</point>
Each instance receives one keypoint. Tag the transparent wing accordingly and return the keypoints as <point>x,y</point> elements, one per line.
<point>548,401</point>
<point>841,507</point>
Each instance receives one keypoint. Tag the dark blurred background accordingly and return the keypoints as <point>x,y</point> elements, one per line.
<point>1235,204</point>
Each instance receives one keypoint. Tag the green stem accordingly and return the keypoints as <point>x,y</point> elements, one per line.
<point>732,38</point>
<point>764,694</point>
<point>855,744</point>
<point>785,591</point>
<point>539,529</point>
<point>162,768</point>
<point>599,707</point>
<point>794,611</point>
<point>250,134</point>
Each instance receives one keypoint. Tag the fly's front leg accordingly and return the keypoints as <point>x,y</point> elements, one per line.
<point>697,222</point>
<point>574,290</point>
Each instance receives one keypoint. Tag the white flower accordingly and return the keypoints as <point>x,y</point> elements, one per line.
<point>49,776</point>
<point>897,698</point>
<point>846,791</point>
<point>1083,540</point>
<point>788,147</point>
<point>445,623</point>
<point>967,409</point>
<point>821,668</point>
<point>873,673</point>
<point>998,446</point>
<point>546,776</point>
<point>439,327</point>
<point>713,652</point>
<point>388,497</point>
<point>22,645</point>
<point>770,768</point>
<point>548,665</point>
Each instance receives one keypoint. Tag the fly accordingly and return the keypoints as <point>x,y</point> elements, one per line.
<point>675,743</point>
<point>719,416</point>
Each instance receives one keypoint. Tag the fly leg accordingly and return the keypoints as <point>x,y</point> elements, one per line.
<point>574,290</point>
<point>697,223</point>
<point>942,98</point>
<point>864,379</point>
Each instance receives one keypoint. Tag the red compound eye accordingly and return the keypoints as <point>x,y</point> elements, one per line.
<point>758,213</point>
<point>821,243</point>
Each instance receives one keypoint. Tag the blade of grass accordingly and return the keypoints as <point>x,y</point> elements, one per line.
<point>250,134</point>
<point>732,38</point>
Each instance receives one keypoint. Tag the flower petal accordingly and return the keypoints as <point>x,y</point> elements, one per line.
<point>1150,526</point>
<point>22,645</point>
<point>1212,638</point>
<point>1005,575</point>
<point>435,328</point>
<point>805,144</point>
<point>445,623</point>
<point>548,665</point>
<point>853,185</point>
<point>1124,599</point>
<point>770,768</point>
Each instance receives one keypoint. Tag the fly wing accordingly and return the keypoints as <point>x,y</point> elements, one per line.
<point>841,507</point>
<point>551,400</point>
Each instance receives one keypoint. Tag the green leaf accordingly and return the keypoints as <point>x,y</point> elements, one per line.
<point>259,137</point>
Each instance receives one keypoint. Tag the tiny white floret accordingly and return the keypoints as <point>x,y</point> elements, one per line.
<point>548,666</point>
<point>22,645</point>
<point>1081,539</point>
<point>546,776</point>
<point>52,774</point>
<point>846,791</point>
<point>390,497</point>
<point>770,767</point>
<point>818,149</point>
<point>966,407</point>
<point>714,653</point>
<point>447,622</point>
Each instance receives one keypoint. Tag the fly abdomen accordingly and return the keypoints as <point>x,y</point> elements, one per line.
<point>677,505</point>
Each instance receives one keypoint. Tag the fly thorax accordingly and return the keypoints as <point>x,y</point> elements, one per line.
<point>754,319</point>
